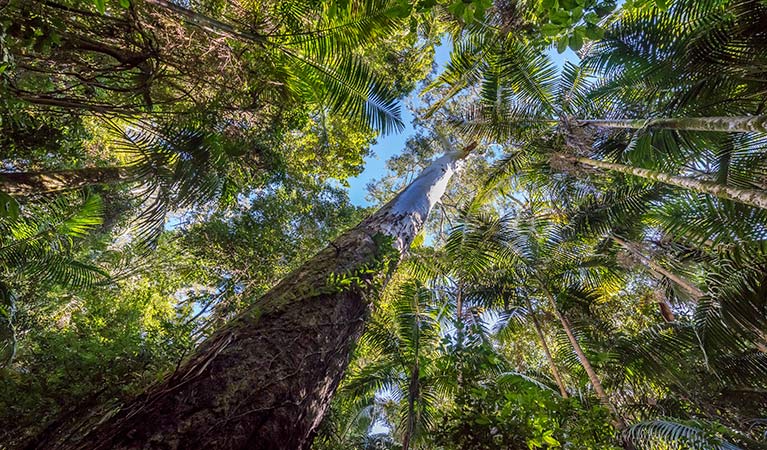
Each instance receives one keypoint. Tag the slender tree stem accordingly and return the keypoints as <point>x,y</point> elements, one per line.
<point>740,124</point>
<point>549,358</point>
<point>618,421</point>
<point>694,292</point>
<point>751,197</point>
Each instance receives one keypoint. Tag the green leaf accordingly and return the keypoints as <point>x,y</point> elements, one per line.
<point>577,14</point>
<point>549,29</point>
<point>594,33</point>
<point>562,44</point>
<point>125,4</point>
<point>9,207</point>
<point>482,420</point>
<point>576,40</point>
<point>101,5</point>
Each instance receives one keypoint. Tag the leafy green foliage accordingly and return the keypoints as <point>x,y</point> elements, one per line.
<point>549,301</point>
<point>516,415</point>
<point>40,243</point>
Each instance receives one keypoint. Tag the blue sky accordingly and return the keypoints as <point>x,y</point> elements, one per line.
<point>388,146</point>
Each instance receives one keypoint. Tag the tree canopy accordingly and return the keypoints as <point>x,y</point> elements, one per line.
<point>584,267</point>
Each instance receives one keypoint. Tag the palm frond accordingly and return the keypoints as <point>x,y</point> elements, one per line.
<point>675,435</point>
<point>40,243</point>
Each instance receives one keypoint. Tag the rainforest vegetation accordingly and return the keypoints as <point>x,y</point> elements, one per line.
<point>568,251</point>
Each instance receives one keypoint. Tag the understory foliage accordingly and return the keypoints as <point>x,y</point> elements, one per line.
<point>596,278</point>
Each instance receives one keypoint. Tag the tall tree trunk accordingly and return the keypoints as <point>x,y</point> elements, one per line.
<point>414,392</point>
<point>414,386</point>
<point>208,23</point>
<point>265,380</point>
<point>618,421</point>
<point>693,291</point>
<point>27,184</point>
<point>549,358</point>
<point>723,124</point>
<point>751,197</point>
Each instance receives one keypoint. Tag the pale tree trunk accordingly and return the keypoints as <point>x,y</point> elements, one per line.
<point>751,197</point>
<point>265,380</point>
<point>617,420</point>
<point>549,358</point>
<point>723,124</point>
<point>693,291</point>
<point>28,184</point>
<point>207,23</point>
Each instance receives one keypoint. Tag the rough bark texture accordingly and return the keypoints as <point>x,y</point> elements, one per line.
<point>265,380</point>
<point>723,124</point>
<point>28,184</point>
<point>752,197</point>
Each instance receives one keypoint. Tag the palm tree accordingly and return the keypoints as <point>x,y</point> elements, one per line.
<point>268,394</point>
<point>544,264</point>
<point>693,291</point>
<point>222,62</point>
<point>39,243</point>
<point>171,166</point>
<point>404,341</point>
<point>466,268</point>
<point>694,58</point>
<point>519,96</point>
<point>752,197</point>
<point>546,351</point>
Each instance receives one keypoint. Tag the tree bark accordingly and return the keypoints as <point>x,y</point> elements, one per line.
<point>751,197</point>
<point>740,124</point>
<point>549,358</point>
<point>666,312</point>
<point>28,184</point>
<point>207,23</point>
<point>693,291</point>
<point>618,421</point>
<point>265,380</point>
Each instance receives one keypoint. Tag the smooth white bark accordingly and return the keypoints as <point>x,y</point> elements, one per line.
<point>404,216</point>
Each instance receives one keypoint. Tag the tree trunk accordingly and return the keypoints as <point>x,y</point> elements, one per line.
<point>618,421</point>
<point>693,291</point>
<point>751,197</point>
<point>666,312</point>
<point>207,23</point>
<point>28,184</point>
<point>414,392</point>
<point>740,124</point>
<point>265,380</point>
<point>549,358</point>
